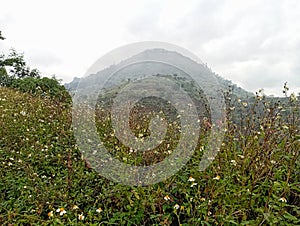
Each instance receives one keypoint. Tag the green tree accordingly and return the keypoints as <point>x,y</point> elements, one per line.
<point>13,66</point>
<point>15,73</point>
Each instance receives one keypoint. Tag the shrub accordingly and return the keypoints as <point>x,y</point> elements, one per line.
<point>43,87</point>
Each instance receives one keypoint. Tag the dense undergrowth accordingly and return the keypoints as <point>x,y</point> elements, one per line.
<point>44,180</point>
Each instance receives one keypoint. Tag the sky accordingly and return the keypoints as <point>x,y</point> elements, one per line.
<point>255,44</point>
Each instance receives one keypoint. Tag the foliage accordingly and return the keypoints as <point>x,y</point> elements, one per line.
<point>253,181</point>
<point>14,67</point>
<point>43,87</point>
<point>15,73</point>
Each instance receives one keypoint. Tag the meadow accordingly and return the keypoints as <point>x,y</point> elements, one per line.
<point>45,180</point>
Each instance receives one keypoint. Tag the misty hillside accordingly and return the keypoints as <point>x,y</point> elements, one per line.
<point>139,66</point>
<point>114,78</point>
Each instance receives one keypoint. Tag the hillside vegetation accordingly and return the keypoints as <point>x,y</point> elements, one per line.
<point>44,180</point>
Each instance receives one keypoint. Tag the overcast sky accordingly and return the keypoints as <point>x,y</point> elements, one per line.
<point>256,44</point>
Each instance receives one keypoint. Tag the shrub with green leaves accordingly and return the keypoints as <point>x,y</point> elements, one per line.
<point>43,87</point>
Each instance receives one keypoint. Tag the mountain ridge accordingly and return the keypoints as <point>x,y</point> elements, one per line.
<point>162,56</point>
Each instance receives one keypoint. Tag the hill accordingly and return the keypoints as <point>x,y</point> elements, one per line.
<point>149,68</point>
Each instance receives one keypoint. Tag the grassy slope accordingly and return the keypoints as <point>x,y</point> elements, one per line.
<point>42,170</point>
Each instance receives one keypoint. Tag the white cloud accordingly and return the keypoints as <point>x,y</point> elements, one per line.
<point>254,43</point>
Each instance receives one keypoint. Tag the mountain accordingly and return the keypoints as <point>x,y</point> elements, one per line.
<point>130,69</point>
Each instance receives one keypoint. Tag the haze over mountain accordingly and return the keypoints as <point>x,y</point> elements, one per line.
<point>139,66</point>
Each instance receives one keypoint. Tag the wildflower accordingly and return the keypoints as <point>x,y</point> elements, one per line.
<point>167,198</point>
<point>282,199</point>
<point>217,177</point>
<point>141,135</point>
<point>293,97</point>
<point>99,210</point>
<point>241,156</point>
<point>9,164</point>
<point>23,113</point>
<point>191,179</point>
<point>285,127</point>
<point>50,214</point>
<point>209,213</point>
<point>75,207</point>
<point>273,162</point>
<point>245,104</point>
<point>202,199</point>
<point>176,206</point>
<point>233,162</point>
<point>61,211</point>
<point>193,184</point>
<point>80,217</point>
<point>259,97</point>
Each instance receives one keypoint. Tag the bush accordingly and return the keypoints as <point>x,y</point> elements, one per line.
<point>43,87</point>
